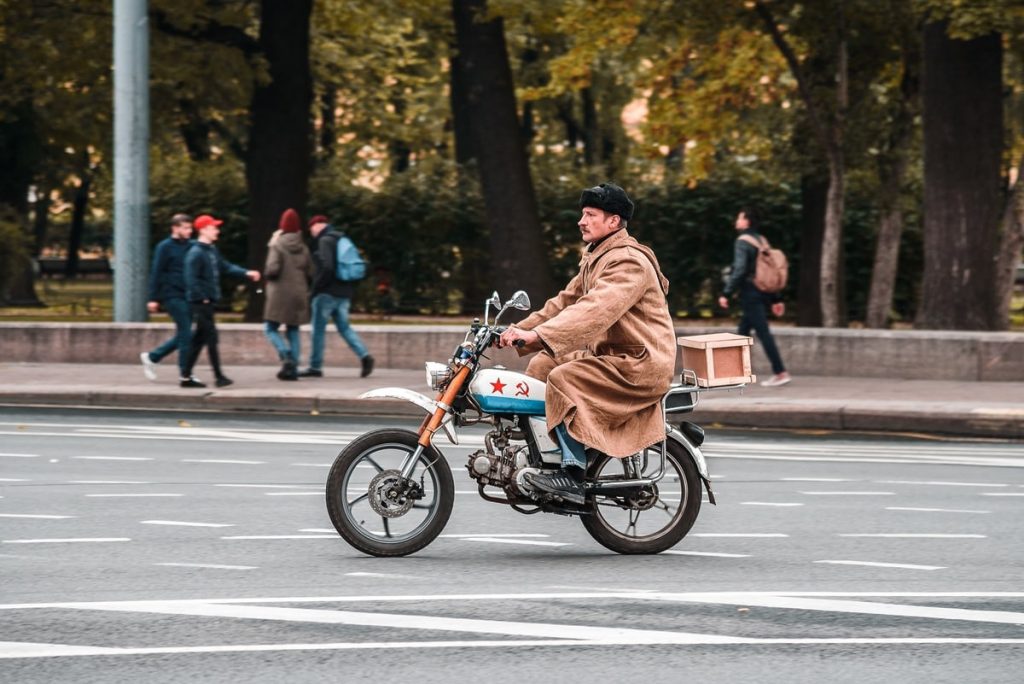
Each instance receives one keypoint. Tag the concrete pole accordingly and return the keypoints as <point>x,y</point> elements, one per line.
<point>131,159</point>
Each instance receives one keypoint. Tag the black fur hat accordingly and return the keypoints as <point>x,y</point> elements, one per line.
<point>608,197</point>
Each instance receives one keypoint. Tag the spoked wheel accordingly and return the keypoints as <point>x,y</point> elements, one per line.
<point>374,508</point>
<point>651,519</point>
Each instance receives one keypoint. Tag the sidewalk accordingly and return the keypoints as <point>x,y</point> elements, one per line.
<point>966,409</point>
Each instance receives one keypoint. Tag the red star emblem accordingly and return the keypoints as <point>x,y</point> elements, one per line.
<point>497,387</point>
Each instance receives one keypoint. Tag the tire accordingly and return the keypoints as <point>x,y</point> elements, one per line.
<point>680,476</point>
<point>390,529</point>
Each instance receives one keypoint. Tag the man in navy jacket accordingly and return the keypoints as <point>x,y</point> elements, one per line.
<point>204,265</point>
<point>167,289</point>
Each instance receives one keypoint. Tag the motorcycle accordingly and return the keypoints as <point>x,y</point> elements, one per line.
<point>390,491</point>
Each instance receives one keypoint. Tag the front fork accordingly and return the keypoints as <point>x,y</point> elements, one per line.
<point>433,422</point>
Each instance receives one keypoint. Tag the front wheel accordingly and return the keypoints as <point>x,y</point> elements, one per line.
<point>376,510</point>
<point>651,519</point>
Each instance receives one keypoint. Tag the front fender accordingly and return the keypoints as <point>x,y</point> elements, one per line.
<point>698,458</point>
<point>424,402</point>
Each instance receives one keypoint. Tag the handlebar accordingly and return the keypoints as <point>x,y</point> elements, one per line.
<point>502,328</point>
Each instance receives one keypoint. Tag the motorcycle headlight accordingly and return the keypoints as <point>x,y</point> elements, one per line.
<point>438,375</point>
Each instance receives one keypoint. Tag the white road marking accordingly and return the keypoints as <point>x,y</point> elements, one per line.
<point>269,486</point>
<point>65,541</point>
<point>912,535</point>
<point>221,460</point>
<point>185,524</point>
<point>208,565</point>
<point>485,534</point>
<point>13,479</point>
<point>293,493</point>
<point>110,482</point>
<point>941,484</point>
<point>381,575</point>
<point>313,465</point>
<point>1002,493</point>
<point>850,493</point>
<point>112,496</point>
<point>32,515</point>
<point>752,535</point>
<point>284,536</point>
<point>906,566</point>
<point>6,455</point>
<point>113,458</point>
<point>506,540</point>
<point>933,510</point>
<point>815,479</point>
<point>401,621</point>
<point>768,503</point>
<point>705,553</point>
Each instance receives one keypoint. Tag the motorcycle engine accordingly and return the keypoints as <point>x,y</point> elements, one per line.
<point>496,470</point>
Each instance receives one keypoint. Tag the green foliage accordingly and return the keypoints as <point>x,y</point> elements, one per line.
<point>13,248</point>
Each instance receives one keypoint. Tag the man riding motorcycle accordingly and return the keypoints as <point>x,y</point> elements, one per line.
<point>607,346</point>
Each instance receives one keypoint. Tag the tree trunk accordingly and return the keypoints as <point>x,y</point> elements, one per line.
<point>195,130</point>
<point>963,140</point>
<point>891,173</point>
<point>813,192</point>
<point>328,123</point>
<point>831,244</point>
<point>79,204</point>
<point>1011,242</point>
<point>19,156</point>
<point>279,158</point>
<point>518,258</point>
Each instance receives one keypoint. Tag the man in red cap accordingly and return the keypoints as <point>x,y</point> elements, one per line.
<point>331,300</point>
<point>203,267</point>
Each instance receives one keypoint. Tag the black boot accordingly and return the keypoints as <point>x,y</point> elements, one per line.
<point>564,483</point>
<point>288,371</point>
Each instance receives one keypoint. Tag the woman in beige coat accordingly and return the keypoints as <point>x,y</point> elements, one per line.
<point>288,272</point>
<point>607,346</point>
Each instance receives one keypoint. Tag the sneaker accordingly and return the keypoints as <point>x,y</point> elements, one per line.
<point>778,380</point>
<point>288,372</point>
<point>191,381</point>
<point>148,367</point>
<point>311,373</point>
<point>224,381</point>
<point>559,483</point>
<point>367,362</point>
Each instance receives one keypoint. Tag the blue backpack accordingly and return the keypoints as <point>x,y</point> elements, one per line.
<point>349,265</point>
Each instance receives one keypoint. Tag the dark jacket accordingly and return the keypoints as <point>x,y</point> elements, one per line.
<point>325,257</point>
<point>744,263</point>
<point>167,274</point>
<point>204,265</point>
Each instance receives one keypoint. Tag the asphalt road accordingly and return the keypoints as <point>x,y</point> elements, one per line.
<point>172,547</point>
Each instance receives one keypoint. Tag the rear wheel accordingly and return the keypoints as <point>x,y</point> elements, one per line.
<point>374,508</point>
<point>651,519</point>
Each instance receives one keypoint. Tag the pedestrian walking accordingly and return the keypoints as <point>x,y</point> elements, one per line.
<point>167,291</point>
<point>288,270</point>
<point>331,300</point>
<point>753,301</point>
<point>204,265</point>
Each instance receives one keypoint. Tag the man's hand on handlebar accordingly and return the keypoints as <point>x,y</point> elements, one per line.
<point>518,337</point>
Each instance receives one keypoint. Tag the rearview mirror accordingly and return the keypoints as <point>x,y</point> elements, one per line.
<point>520,300</point>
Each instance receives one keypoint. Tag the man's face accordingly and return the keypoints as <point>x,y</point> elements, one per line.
<point>317,228</point>
<point>182,231</point>
<point>595,224</point>
<point>209,233</point>
<point>742,223</point>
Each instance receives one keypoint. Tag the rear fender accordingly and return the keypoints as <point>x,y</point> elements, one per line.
<point>424,402</point>
<point>696,455</point>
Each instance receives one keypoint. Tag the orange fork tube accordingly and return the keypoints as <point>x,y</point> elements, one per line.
<point>446,398</point>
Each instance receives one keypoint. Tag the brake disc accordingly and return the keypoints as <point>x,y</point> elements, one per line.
<point>388,493</point>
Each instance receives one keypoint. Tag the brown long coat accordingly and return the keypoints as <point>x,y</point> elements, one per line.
<point>288,271</point>
<point>609,349</point>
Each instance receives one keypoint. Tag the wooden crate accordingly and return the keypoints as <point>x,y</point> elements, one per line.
<point>718,359</point>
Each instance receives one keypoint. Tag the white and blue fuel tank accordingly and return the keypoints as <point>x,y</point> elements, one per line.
<point>499,390</point>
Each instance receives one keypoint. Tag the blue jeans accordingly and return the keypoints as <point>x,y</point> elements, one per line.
<point>755,318</point>
<point>181,313</point>
<point>324,307</point>
<point>286,351</point>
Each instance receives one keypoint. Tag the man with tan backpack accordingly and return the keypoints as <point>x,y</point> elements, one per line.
<point>758,275</point>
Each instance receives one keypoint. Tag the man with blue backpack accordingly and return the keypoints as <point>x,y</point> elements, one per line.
<point>337,268</point>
